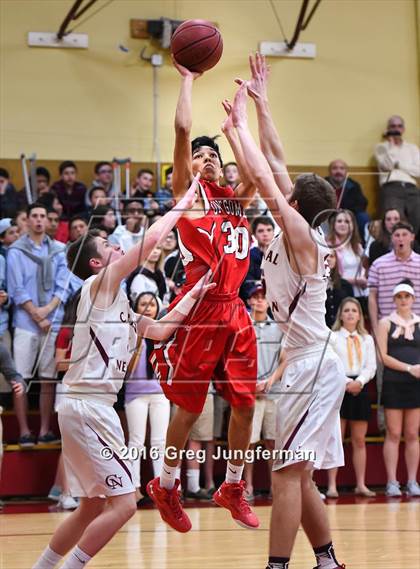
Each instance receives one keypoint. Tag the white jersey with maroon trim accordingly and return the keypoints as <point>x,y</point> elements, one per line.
<point>297,301</point>
<point>102,345</point>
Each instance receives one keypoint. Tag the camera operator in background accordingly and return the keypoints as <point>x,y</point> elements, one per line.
<point>399,165</point>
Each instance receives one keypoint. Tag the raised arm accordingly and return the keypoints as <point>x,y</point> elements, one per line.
<point>182,168</point>
<point>287,217</point>
<point>107,284</point>
<point>270,141</point>
<point>245,191</point>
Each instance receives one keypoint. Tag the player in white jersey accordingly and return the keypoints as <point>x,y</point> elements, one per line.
<point>312,386</point>
<point>103,343</point>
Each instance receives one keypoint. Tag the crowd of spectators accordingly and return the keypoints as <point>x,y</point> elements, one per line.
<point>369,259</point>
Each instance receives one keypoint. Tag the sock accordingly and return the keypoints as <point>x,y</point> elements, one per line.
<point>233,473</point>
<point>48,559</point>
<point>77,559</point>
<point>167,476</point>
<point>278,562</point>
<point>193,480</point>
<point>325,556</point>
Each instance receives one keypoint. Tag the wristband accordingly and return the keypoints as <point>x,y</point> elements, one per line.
<point>184,306</point>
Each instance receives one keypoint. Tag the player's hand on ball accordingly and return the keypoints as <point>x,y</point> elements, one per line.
<point>202,286</point>
<point>184,72</point>
<point>239,114</point>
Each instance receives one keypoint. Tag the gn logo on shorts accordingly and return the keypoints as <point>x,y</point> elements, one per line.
<point>113,481</point>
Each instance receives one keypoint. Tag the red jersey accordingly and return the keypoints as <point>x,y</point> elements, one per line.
<point>219,240</point>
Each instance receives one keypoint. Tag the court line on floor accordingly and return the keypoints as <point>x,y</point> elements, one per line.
<point>349,530</point>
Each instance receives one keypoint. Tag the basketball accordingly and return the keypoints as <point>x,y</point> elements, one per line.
<point>197,45</point>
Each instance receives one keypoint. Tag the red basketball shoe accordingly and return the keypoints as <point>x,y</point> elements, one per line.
<point>231,497</point>
<point>168,503</point>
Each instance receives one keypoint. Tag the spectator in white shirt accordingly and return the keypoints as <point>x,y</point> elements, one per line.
<point>356,350</point>
<point>399,165</point>
<point>344,237</point>
<point>126,236</point>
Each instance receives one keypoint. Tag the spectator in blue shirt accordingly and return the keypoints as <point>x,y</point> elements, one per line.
<point>4,301</point>
<point>164,196</point>
<point>36,282</point>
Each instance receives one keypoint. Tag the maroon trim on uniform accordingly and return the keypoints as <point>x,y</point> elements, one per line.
<point>100,347</point>
<point>295,431</point>
<point>294,302</point>
<point>117,458</point>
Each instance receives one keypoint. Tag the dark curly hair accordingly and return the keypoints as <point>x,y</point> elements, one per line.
<point>207,141</point>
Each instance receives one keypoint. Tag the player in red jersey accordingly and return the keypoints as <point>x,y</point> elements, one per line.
<point>218,340</point>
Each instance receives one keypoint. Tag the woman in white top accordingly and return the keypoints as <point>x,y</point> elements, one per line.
<point>344,236</point>
<point>148,277</point>
<point>356,350</point>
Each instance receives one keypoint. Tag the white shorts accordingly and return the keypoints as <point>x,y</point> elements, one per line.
<point>308,411</point>
<point>33,351</point>
<point>264,420</point>
<point>87,429</point>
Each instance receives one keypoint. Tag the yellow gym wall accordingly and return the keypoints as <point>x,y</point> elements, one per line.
<point>97,103</point>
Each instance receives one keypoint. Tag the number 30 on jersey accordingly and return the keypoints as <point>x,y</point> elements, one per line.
<point>237,240</point>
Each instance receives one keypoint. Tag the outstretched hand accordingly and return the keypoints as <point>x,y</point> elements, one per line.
<point>184,72</point>
<point>239,114</point>
<point>257,87</point>
<point>202,286</point>
<point>227,124</point>
<point>191,196</point>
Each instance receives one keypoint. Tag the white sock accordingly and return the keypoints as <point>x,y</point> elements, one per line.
<point>48,559</point>
<point>193,479</point>
<point>77,559</point>
<point>233,473</point>
<point>167,476</point>
<point>326,563</point>
<point>178,477</point>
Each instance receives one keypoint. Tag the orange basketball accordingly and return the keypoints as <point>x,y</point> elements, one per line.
<point>197,45</point>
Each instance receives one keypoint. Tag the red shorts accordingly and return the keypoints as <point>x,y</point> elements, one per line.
<point>217,341</point>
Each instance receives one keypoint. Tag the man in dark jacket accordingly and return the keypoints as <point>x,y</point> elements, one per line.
<point>349,193</point>
<point>10,199</point>
<point>69,191</point>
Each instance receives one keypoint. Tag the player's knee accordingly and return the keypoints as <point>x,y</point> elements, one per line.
<point>306,479</point>
<point>124,507</point>
<point>243,415</point>
<point>186,417</point>
<point>289,474</point>
<point>91,508</point>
